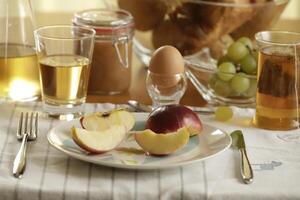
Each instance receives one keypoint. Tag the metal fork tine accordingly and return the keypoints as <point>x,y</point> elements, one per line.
<point>34,125</point>
<point>31,125</point>
<point>19,132</point>
<point>26,123</point>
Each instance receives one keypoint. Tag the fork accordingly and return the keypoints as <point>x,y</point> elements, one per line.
<point>27,131</point>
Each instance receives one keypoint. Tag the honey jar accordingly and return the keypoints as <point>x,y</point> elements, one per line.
<point>111,65</point>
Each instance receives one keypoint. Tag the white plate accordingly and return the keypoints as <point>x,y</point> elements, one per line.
<point>209,143</point>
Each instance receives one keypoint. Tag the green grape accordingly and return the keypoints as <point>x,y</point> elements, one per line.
<point>246,41</point>
<point>223,113</point>
<point>251,92</point>
<point>222,88</point>
<point>236,51</point>
<point>239,83</point>
<point>234,93</point>
<point>226,71</point>
<point>223,59</point>
<point>248,64</point>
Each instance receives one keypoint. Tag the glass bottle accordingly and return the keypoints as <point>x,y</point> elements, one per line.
<point>19,77</point>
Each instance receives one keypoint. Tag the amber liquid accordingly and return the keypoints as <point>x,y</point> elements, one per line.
<point>64,79</point>
<point>19,75</point>
<point>278,90</point>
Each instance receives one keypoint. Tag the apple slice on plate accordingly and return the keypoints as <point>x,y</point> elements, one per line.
<point>162,143</point>
<point>99,141</point>
<point>100,121</point>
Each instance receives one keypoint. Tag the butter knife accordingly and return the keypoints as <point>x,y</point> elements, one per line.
<point>246,169</point>
<point>148,108</point>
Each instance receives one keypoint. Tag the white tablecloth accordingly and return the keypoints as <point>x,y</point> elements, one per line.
<point>51,174</point>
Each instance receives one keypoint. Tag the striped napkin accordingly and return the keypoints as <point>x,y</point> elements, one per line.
<point>52,175</point>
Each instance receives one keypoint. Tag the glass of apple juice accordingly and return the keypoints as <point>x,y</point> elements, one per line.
<point>64,56</point>
<point>278,88</point>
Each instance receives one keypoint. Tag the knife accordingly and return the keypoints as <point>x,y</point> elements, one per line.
<point>139,106</point>
<point>246,169</point>
<point>148,108</point>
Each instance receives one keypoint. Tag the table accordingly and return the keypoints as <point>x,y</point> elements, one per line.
<point>51,174</point>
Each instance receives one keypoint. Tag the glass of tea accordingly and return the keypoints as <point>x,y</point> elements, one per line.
<point>278,86</point>
<point>64,56</point>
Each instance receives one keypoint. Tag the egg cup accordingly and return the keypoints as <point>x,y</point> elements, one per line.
<point>165,89</point>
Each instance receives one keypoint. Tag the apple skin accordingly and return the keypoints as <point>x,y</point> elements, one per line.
<point>79,137</point>
<point>170,118</point>
<point>162,144</point>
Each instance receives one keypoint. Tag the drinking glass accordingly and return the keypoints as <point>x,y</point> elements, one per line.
<point>64,56</point>
<point>278,87</point>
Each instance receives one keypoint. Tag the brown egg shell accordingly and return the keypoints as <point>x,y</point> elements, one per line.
<point>166,60</point>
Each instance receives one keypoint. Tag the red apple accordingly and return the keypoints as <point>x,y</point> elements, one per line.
<point>170,118</point>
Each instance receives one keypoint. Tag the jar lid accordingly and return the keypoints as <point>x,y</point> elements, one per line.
<point>104,21</point>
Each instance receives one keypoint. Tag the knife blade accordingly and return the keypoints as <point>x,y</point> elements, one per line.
<point>148,108</point>
<point>139,106</point>
<point>239,143</point>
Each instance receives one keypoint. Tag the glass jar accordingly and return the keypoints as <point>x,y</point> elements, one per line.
<point>111,64</point>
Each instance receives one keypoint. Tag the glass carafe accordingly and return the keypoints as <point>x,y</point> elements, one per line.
<point>19,77</point>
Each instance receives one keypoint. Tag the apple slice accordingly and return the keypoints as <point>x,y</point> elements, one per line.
<point>100,121</point>
<point>99,141</point>
<point>162,144</point>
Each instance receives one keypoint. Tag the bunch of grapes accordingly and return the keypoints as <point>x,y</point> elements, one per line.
<point>236,71</point>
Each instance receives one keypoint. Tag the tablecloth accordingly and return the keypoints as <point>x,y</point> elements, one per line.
<point>52,175</point>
